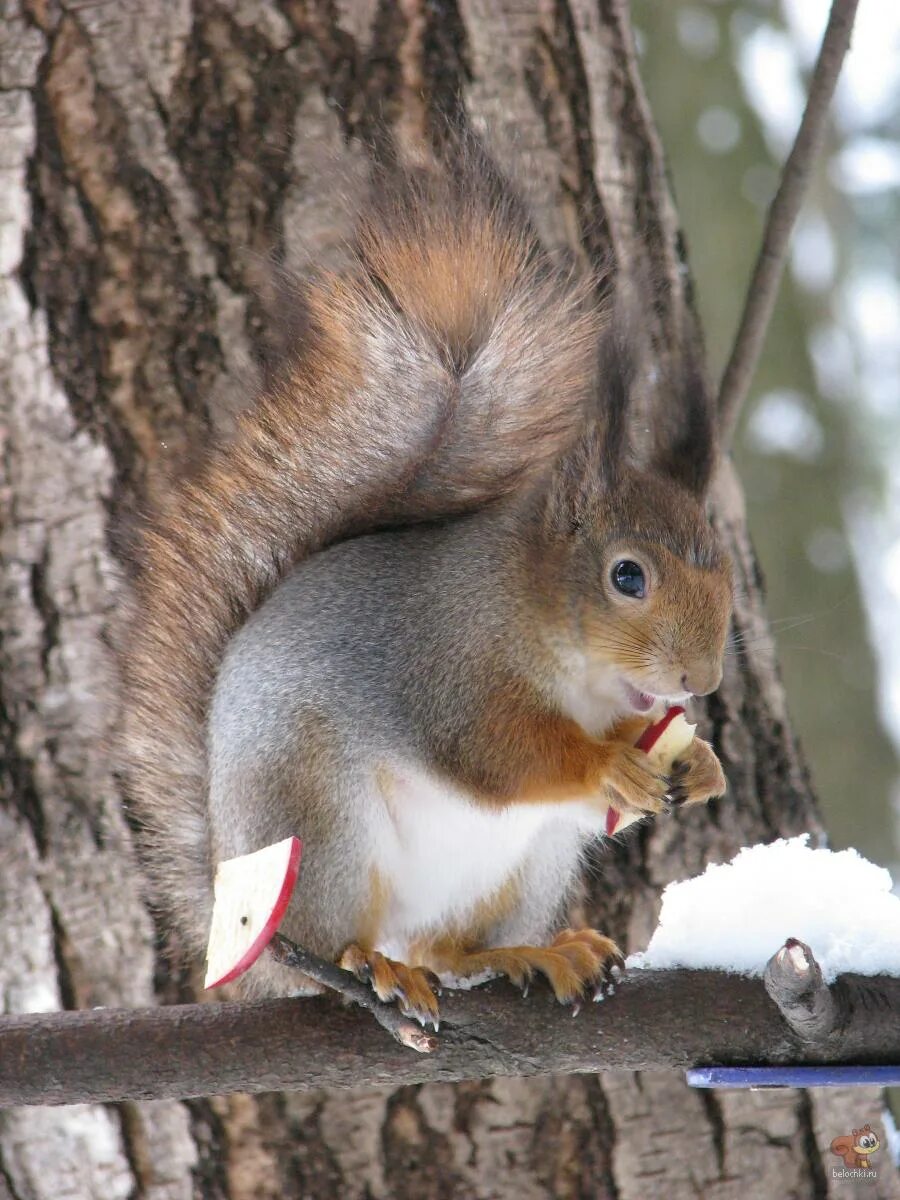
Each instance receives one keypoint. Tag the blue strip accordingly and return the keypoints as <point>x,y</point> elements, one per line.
<point>797,1077</point>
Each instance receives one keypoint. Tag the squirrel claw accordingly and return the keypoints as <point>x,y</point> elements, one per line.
<point>411,987</point>
<point>678,790</point>
<point>635,783</point>
<point>571,964</point>
<point>611,975</point>
<point>422,1015</point>
<point>606,984</point>
<point>432,979</point>
<point>356,961</point>
<point>698,776</point>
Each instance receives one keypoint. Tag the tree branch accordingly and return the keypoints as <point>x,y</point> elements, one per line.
<point>782,214</point>
<point>656,1019</point>
<point>402,1028</point>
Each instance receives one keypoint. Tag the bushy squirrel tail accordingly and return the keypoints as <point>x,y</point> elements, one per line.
<point>452,358</point>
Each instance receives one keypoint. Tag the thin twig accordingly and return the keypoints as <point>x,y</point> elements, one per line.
<point>782,214</point>
<point>336,979</point>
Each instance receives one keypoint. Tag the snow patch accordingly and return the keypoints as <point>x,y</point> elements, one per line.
<point>735,916</point>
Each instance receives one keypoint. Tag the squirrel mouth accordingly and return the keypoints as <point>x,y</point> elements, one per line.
<point>639,701</point>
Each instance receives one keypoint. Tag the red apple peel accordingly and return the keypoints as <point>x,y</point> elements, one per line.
<point>252,893</point>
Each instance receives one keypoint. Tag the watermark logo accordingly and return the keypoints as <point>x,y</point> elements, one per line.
<point>855,1149</point>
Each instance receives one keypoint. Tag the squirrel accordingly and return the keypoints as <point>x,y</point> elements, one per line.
<point>855,1148</point>
<point>419,606</point>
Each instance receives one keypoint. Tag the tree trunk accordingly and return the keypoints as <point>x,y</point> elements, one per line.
<point>153,155</point>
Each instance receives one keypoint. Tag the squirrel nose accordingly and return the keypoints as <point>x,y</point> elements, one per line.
<point>700,683</point>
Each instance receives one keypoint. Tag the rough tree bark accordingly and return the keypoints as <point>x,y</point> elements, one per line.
<point>153,155</point>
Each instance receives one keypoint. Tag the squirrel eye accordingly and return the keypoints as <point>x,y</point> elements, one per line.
<point>628,578</point>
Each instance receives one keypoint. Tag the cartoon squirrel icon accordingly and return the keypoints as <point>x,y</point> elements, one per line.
<point>855,1148</point>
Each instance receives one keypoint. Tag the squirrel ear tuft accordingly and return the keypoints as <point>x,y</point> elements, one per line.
<point>567,505</point>
<point>685,441</point>
<point>596,460</point>
<point>616,371</point>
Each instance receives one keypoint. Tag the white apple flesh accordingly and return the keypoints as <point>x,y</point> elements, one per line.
<point>670,742</point>
<point>252,893</point>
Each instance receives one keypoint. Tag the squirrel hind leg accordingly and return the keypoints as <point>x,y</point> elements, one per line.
<point>576,964</point>
<point>413,988</point>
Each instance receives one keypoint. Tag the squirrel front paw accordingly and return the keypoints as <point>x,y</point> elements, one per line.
<point>630,780</point>
<point>697,776</point>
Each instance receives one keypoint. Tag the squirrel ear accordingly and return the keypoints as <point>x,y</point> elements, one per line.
<point>573,484</point>
<point>596,460</point>
<point>685,442</point>
<point>615,378</point>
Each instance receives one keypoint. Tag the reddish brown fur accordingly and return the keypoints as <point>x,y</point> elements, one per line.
<point>524,752</point>
<point>412,987</point>
<point>555,760</point>
<point>692,601</point>
<point>574,959</point>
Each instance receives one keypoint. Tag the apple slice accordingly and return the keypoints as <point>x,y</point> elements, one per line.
<point>252,893</point>
<point>668,738</point>
<point>663,742</point>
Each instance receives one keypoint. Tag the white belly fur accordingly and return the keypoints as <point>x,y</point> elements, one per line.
<point>441,854</point>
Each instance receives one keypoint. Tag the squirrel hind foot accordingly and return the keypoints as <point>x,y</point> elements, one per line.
<point>577,963</point>
<point>412,987</point>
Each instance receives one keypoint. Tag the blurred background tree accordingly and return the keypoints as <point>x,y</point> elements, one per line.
<point>820,435</point>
